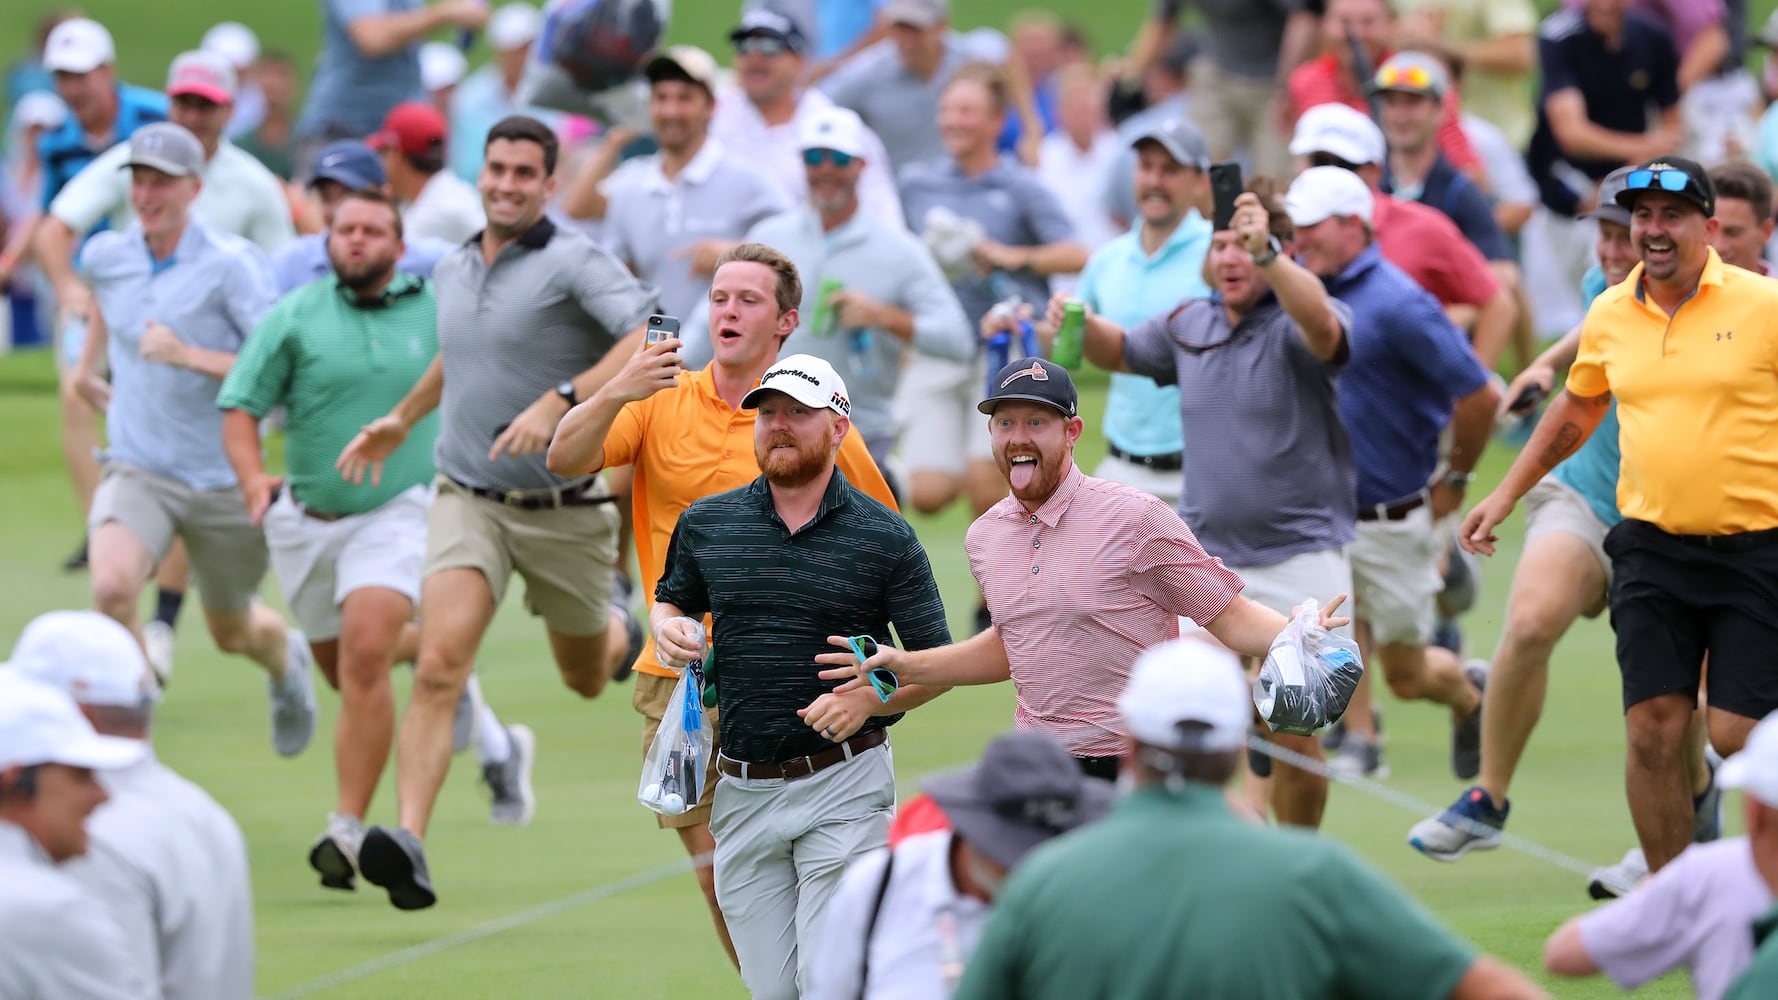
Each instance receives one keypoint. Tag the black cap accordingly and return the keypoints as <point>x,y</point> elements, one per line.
<point>1026,789</point>
<point>1033,380</point>
<point>1697,189</point>
<point>768,23</point>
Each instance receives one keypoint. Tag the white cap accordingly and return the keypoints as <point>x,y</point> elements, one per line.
<point>833,127</point>
<point>513,26</point>
<point>233,41</point>
<point>1321,193</point>
<point>441,65</point>
<point>39,109</point>
<point>1341,131</point>
<point>86,655</point>
<point>78,45</point>
<point>1187,680</point>
<point>1755,769</point>
<point>805,378</point>
<point>40,725</point>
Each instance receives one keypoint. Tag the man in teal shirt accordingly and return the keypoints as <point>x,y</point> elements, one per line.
<point>339,353</point>
<point>1173,895</point>
<point>1143,273</point>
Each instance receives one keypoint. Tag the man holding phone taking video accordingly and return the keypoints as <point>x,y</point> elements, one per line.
<point>532,319</point>
<point>685,437</point>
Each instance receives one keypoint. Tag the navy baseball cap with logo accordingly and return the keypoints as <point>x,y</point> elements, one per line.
<point>1675,175</point>
<point>1033,380</point>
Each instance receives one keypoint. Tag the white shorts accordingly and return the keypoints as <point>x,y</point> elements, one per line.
<point>319,562</point>
<point>1164,485</point>
<point>1283,586</point>
<point>1395,576</point>
<point>939,428</point>
<point>1558,250</point>
<point>1553,505</point>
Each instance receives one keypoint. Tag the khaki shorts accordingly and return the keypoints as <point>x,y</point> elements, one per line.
<point>940,428</point>
<point>1553,505</point>
<point>650,698</point>
<point>1235,114</point>
<point>1395,577</point>
<point>227,553</point>
<point>565,554</point>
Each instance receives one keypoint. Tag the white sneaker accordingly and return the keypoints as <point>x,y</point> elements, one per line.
<point>157,642</point>
<point>1612,881</point>
<point>510,780</point>
<point>335,853</point>
<point>293,700</point>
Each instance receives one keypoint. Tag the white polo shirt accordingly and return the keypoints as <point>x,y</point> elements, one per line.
<point>170,866</point>
<point>56,942</point>
<point>925,930</point>
<point>240,197</point>
<point>447,208</point>
<point>778,151</point>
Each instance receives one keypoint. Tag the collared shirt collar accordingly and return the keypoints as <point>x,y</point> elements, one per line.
<point>535,238</point>
<point>698,171</point>
<point>1366,261</point>
<point>399,286</point>
<point>1712,275</point>
<point>1191,228</point>
<point>1193,796</point>
<point>191,243</point>
<point>832,499</point>
<point>1052,510</point>
<point>16,844</point>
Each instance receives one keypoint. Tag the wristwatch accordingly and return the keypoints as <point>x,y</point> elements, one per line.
<point>1273,248</point>
<point>1459,480</point>
<point>569,396</point>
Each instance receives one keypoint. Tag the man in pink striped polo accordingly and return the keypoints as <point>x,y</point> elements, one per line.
<point>1080,575</point>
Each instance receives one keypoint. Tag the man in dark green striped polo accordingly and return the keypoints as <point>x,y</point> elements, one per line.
<point>783,563</point>
<point>338,353</point>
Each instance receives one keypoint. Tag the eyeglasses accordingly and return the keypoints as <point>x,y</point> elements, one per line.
<point>882,680</point>
<point>1394,77</point>
<point>813,157</point>
<point>1666,179</point>
<point>764,45</point>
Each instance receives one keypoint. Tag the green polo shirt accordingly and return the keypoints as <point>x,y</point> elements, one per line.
<point>776,596</point>
<point>1172,895</point>
<point>337,366</point>
<point>1760,980</point>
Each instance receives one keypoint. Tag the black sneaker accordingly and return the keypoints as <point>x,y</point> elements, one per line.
<point>76,562</point>
<point>621,589</point>
<point>1466,736</point>
<point>394,860</point>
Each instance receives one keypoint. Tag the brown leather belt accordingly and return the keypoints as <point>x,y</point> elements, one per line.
<point>573,495</point>
<point>1396,511</point>
<point>319,515</point>
<point>802,767</point>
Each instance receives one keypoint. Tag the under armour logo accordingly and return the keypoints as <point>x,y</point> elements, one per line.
<point>1035,372</point>
<point>1726,335</point>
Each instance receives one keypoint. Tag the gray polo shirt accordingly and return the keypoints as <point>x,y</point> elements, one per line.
<point>1013,206</point>
<point>211,293</point>
<point>888,264</point>
<point>717,196</point>
<point>548,309</point>
<point>1275,478</point>
<point>1242,36</point>
<point>171,866</point>
<point>901,108</point>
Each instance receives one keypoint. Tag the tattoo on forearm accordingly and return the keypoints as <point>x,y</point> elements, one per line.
<point>1563,446</point>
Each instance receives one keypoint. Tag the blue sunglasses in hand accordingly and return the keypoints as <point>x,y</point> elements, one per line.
<point>882,680</point>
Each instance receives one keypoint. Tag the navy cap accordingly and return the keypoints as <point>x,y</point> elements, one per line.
<point>1691,179</point>
<point>768,23</point>
<point>350,162</point>
<point>1033,380</point>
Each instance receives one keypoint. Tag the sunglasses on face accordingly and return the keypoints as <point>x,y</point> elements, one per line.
<point>814,157</point>
<point>1666,180</point>
<point>882,680</point>
<point>764,45</point>
<point>1404,77</point>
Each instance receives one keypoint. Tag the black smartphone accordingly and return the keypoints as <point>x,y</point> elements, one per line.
<point>1225,187</point>
<point>1527,399</point>
<point>660,328</point>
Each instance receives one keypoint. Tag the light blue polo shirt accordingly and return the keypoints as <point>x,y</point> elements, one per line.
<point>351,92</point>
<point>304,259</point>
<point>1127,286</point>
<point>1593,470</point>
<point>211,293</point>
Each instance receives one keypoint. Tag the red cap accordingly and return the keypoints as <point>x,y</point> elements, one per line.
<point>415,128</point>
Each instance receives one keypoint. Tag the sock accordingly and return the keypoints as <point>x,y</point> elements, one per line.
<point>167,607</point>
<point>492,746</point>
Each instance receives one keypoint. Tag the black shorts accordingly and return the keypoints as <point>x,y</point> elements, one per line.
<point>1675,598</point>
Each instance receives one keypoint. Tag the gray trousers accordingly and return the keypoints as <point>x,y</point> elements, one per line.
<point>781,847</point>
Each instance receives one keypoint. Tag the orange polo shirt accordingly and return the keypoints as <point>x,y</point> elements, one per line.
<point>685,444</point>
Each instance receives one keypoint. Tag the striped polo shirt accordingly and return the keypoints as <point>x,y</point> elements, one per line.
<point>337,366</point>
<point>1078,589</point>
<point>776,595</point>
<point>67,150</point>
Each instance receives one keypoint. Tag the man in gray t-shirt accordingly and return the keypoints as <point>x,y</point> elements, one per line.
<point>370,61</point>
<point>532,319</point>
<point>1276,496</point>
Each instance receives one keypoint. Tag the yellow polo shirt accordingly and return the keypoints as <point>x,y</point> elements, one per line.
<point>1697,399</point>
<point>685,444</point>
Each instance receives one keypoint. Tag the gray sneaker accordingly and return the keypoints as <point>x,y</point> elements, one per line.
<point>1612,881</point>
<point>335,853</point>
<point>510,780</point>
<point>1466,736</point>
<point>1358,758</point>
<point>463,719</point>
<point>1707,808</point>
<point>158,642</point>
<point>293,700</point>
<point>394,860</point>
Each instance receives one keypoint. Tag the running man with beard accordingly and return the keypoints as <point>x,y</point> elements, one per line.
<point>1072,562</point>
<point>782,563</point>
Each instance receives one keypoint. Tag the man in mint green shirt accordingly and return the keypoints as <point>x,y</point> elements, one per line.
<point>338,353</point>
<point>1173,895</point>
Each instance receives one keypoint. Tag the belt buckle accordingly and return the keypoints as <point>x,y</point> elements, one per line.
<point>801,767</point>
<point>513,498</point>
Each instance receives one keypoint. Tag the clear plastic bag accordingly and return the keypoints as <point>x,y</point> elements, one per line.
<point>1308,677</point>
<point>673,772</point>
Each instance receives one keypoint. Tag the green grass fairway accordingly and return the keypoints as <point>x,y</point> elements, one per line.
<point>652,939</point>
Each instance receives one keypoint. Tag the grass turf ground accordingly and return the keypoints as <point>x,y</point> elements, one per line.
<point>653,939</point>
